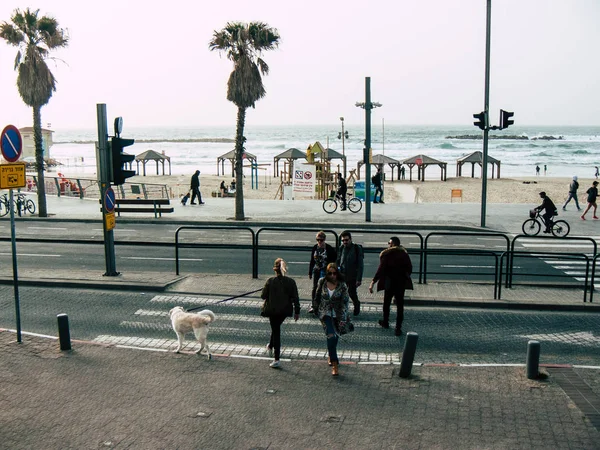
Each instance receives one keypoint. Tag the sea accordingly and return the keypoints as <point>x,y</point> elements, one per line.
<point>559,151</point>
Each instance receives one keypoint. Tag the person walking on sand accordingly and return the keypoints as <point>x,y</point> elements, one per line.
<point>280,294</point>
<point>591,199</point>
<point>331,306</point>
<point>537,171</point>
<point>377,180</point>
<point>195,188</point>
<point>597,172</point>
<point>393,277</point>
<point>350,261</point>
<point>545,168</point>
<point>572,194</point>
<point>321,255</point>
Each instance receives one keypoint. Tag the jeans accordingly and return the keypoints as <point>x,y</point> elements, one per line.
<point>196,193</point>
<point>332,338</point>
<point>378,189</point>
<point>572,195</point>
<point>390,293</point>
<point>275,341</point>
<point>548,220</point>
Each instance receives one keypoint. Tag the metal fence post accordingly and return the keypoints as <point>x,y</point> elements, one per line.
<point>533,360</point>
<point>64,335</point>
<point>408,355</point>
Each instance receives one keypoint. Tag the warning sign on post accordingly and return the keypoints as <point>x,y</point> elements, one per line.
<point>12,176</point>
<point>110,221</point>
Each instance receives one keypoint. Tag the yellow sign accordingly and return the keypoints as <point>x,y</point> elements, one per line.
<point>110,221</point>
<point>12,175</point>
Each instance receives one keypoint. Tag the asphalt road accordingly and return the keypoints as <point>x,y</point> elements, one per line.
<point>446,335</point>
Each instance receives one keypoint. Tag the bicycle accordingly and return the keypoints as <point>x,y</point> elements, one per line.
<point>21,205</point>
<point>330,205</point>
<point>532,226</point>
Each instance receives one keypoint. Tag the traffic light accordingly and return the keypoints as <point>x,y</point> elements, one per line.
<point>482,120</point>
<point>119,159</point>
<point>505,121</point>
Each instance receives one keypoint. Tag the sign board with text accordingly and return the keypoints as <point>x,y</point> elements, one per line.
<point>12,176</point>
<point>110,221</point>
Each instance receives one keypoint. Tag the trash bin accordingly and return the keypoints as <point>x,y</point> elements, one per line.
<point>359,190</point>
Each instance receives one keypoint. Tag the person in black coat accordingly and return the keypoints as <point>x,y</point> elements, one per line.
<point>549,210</point>
<point>281,300</point>
<point>195,188</point>
<point>342,189</point>
<point>377,179</point>
<point>320,255</point>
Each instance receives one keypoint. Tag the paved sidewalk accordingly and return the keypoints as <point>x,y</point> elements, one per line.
<point>98,397</point>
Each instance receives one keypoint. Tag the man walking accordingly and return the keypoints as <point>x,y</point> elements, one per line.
<point>350,262</point>
<point>377,180</point>
<point>195,187</point>
<point>393,277</point>
<point>573,194</point>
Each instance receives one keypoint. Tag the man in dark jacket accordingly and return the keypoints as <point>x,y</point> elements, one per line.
<point>320,255</point>
<point>195,188</point>
<point>392,276</point>
<point>377,179</point>
<point>342,189</point>
<point>549,210</point>
<point>350,263</point>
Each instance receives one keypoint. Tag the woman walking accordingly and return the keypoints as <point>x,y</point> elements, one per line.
<point>281,300</point>
<point>331,305</point>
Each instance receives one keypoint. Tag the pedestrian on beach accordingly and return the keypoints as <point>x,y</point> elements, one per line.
<point>572,194</point>
<point>591,199</point>
<point>377,181</point>
<point>223,189</point>
<point>195,187</point>
<point>597,172</point>
<point>321,255</point>
<point>350,262</point>
<point>393,277</point>
<point>549,211</point>
<point>331,306</point>
<point>280,294</point>
<point>537,170</point>
<point>342,189</point>
<point>545,168</point>
<point>402,171</point>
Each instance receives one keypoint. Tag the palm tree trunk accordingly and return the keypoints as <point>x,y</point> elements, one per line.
<point>39,161</point>
<point>239,164</point>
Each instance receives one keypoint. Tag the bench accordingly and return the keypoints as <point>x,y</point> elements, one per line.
<point>157,206</point>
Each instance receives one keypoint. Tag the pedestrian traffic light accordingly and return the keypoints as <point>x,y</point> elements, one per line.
<point>482,120</point>
<point>119,159</point>
<point>505,121</point>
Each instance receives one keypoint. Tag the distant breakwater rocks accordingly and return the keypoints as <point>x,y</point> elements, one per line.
<point>509,137</point>
<point>153,141</point>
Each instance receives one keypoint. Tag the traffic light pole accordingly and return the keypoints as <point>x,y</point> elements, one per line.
<point>486,107</point>
<point>366,149</point>
<point>104,176</point>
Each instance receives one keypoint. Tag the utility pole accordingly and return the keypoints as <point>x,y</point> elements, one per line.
<point>486,106</point>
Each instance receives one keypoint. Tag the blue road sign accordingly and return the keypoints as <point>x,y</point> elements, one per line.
<point>11,143</point>
<point>109,200</point>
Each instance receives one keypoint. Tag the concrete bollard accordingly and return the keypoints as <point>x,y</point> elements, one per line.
<point>533,360</point>
<point>64,336</point>
<point>408,355</point>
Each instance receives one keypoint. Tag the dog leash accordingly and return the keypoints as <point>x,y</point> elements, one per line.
<point>227,299</point>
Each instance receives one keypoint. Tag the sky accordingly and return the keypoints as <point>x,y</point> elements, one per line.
<point>149,62</point>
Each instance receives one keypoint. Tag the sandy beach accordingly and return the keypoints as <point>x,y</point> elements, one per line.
<point>504,190</point>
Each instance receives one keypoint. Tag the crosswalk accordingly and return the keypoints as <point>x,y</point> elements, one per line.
<point>240,331</point>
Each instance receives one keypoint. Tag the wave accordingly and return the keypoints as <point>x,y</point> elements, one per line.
<point>447,146</point>
<point>154,141</point>
<point>580,152</point>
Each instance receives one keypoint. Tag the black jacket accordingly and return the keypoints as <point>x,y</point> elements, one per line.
<point>281,295</point>
<point>330,257</point>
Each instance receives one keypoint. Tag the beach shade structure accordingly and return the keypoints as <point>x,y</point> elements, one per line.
<point>230,156</point>
<point>380,161</point>
<point>290,155</point>
<point>422,161</point>
<point>151,155</point>
<point>476,158</point>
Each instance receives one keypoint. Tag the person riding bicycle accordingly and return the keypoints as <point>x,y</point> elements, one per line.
<point>549,211</point>
<point>342,189</point>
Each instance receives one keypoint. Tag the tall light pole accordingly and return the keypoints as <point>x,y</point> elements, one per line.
<point>486,106</point>
<point>343,135</point>
<point>367,105</point>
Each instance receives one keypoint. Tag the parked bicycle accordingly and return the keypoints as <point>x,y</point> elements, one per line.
<point>532,226</point>
<point>330,205</point>
<point>21,204</point>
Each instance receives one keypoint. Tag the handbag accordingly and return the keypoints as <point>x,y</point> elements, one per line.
<point>345,327</point>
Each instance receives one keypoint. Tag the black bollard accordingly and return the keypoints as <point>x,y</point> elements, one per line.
<point>533,360</point>
<point>64,336</point>
<point>408,355</point>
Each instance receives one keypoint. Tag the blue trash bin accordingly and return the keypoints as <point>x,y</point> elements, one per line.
<point>359,190</point>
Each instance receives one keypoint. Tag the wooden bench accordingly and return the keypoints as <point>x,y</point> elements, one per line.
<point>157,206</point>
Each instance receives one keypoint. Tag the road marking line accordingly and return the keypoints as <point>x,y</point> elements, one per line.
<point>559,245</point>
<point>32,254</point>
<point>159,259</point>
<point>45,228</point>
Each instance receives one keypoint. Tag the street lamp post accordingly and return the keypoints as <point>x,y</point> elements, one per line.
<point>368,105</point>
<point>343,135</point>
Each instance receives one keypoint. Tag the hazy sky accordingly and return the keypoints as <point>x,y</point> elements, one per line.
<point>150,63</point>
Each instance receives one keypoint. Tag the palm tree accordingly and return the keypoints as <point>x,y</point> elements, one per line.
<point>243,44</point>
<point>34,37</point>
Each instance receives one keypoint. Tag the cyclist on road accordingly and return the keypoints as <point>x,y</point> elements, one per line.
<point>549,211</point>
<point>342,189</point>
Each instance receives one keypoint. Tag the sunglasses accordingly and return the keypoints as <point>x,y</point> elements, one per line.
<point>331,273</point>
<point>345,240</point>
<point>320,239</point>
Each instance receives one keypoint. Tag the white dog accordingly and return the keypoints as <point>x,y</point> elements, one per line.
<point>184,322</point>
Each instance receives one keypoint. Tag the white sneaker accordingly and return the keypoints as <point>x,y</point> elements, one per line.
<point>269,350</point>
<point>275,364</point>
